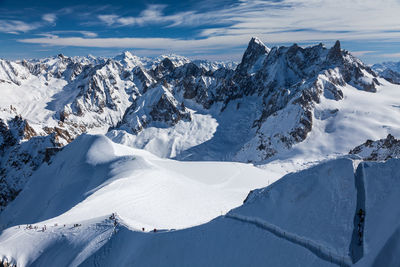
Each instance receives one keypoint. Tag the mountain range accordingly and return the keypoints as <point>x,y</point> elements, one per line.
<point>101,150</point>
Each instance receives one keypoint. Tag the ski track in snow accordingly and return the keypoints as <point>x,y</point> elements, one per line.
<point>320,251</point>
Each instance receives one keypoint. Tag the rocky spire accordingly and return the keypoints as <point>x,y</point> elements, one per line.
<point>335,53</point>
<point>255,50</point>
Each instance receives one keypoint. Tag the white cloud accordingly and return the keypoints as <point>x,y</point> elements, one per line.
<point>88,34</point>
<point>286,21</point>
<point>108,19</point>
<point>54,34</point>
<point>16,26</point>
<point>316,19</point>
<point>393,55</point>
<point>50,18</point>
<point>139,43</point>
<point>361,53</point>
<point>153,14</point>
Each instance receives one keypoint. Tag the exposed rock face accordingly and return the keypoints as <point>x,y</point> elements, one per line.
<point>158,107</point>
<point>379,150</point>
<point>14,131</point>
<point>253,57</point>
<point>273,91</point>
<point>21,153</point>
<point>291,81</point>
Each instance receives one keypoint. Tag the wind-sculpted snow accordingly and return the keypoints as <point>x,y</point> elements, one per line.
<point>318,203</point>
<point>308,215</point>
<point>94,177</point>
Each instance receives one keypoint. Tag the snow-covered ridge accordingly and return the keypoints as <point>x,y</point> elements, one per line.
<point>271,104</point>
<point>388,70</point>
<point>313,215</point>
<point>379,150</point>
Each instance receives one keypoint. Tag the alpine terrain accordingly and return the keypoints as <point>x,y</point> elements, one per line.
<point>288,158</point>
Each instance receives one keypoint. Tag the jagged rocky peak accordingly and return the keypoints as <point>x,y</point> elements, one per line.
<point>165,67</point>
<point>125,54</point>
<point>291,81</point>
<point>167,64</point>
<point>168,110</point>
<point>12,72</point>
<point>379,150</point>
<point>99,90</point>
<point>335,53</point>
<point>253,57</point>
<point>14,131</point>
<point>353,71</point>
<point>157,107</point>
<point>61,56</point>
<point>128,60</point>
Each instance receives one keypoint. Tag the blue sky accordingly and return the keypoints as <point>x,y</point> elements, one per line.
<point>216,30</point>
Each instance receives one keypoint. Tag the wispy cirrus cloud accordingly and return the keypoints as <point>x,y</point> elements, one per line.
<point>154,14</point>
<point>285,21</point>
<point>55,34</point>
<point>17,26</point>
<point>391,55</point>
<point>362,53</point>
<point>51,18</point>
<point>14,26</point>
<point>151,15</point>
<point>281,21</point>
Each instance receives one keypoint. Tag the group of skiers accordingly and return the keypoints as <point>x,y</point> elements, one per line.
<point>44,227</point>
<point>113,217</point>
<point>30,227</point>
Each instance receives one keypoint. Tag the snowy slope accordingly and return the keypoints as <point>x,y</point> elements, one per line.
<point>283,108</point>
<point>93,177</point>
<point>317,228</point>
<point>353,120</point>
<point>381,227</point>
<point>279,97</point>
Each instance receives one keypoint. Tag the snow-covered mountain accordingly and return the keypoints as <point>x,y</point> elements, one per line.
<point>175,121</point>
<point>101,201</point>
<point>187,110</point>
<point>379,150</point>
<point>388,70</point>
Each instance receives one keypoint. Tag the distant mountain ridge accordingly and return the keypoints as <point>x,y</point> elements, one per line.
<point>388,70</point>
<point>175,107</point>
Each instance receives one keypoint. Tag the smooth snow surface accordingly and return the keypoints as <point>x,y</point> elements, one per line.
<point>316,229</point>
<point>94,177</point>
